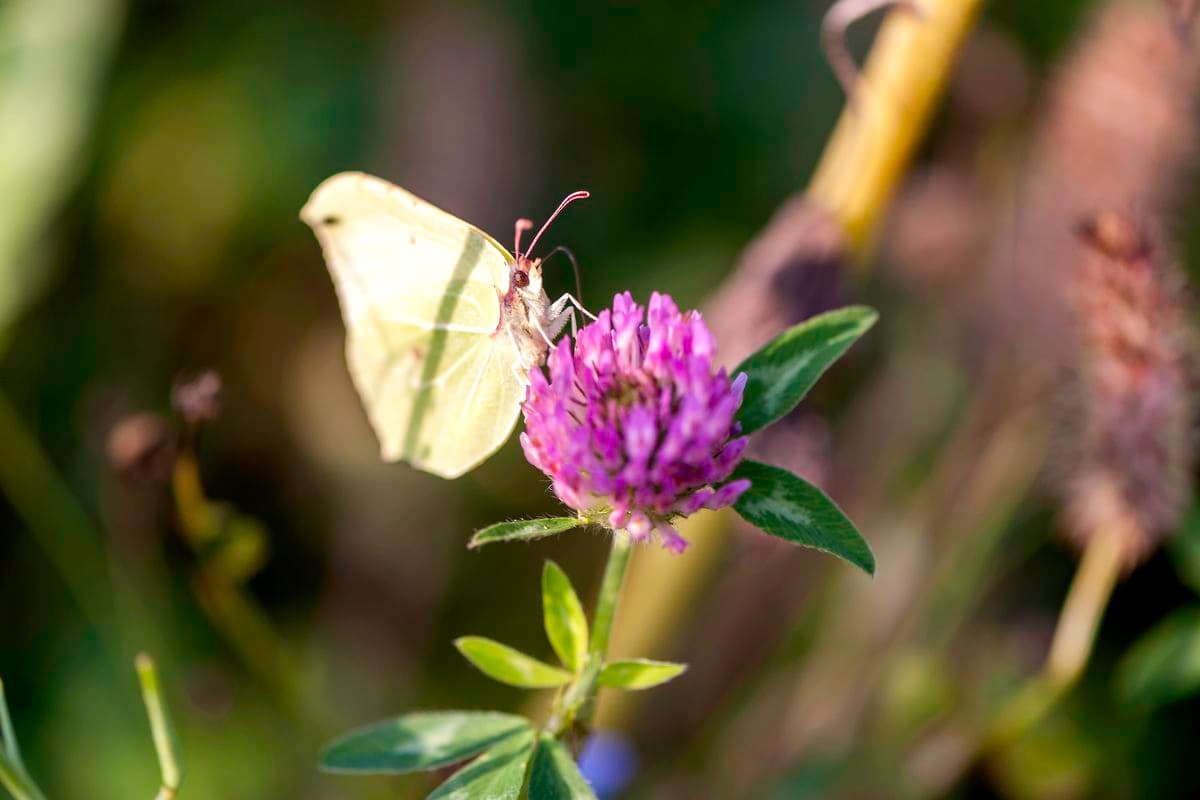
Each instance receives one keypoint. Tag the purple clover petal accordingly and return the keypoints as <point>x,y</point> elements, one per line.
<point>639,526</point>
<point>695,501</point>
<point>728,494</point>
<point>669,538</point>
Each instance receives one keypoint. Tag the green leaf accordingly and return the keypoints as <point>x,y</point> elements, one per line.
<point>523,529</point>
<point>52,81</point>
<point>787,506</point>
<point>639,673</point>
<point>16,780</point>
<point>566,626</point>
<point>1164,665</point>
<point>498,774</point>
<point>420,741</point>
<point>555,776</point>
<point>782,372</point>
<point>502,663</point>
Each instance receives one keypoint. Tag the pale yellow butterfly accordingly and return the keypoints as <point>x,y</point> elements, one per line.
<point>443,324</point>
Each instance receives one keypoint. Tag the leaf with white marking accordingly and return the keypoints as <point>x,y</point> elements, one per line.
<point>420,741</point>
<point>782,372</point>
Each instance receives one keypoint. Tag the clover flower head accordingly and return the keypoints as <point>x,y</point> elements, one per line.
<point>633,425</point>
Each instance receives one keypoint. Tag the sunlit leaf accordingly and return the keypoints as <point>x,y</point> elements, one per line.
<point>555,775</point>
<point>54,52</point>
<point>502,663</point>
<point>1164,665</point>
<point>566,626</point>
<point>523,529</point>
<point>782,372</point>
<point>639,673</point>
<point>420,741</point>
<point>496,775</point>
<point>791,508</point>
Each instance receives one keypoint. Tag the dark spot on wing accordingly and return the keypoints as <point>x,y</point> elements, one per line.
<point>331,220</point>
<point>417,353</point>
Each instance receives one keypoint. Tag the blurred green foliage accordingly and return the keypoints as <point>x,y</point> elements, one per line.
<point>154,157</point>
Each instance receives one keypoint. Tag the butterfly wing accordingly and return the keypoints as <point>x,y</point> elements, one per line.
<point>420,293</point>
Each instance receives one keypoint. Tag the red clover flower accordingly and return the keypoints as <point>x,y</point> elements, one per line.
<point>634,426</point>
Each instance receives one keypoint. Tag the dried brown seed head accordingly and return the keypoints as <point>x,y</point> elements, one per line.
<point>1126,453</point>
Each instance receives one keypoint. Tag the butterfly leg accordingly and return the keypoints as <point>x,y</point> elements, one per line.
<point>557,319</point>
<point>558,305</point>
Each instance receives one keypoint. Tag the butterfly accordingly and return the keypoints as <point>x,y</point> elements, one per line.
<point>443,325</point>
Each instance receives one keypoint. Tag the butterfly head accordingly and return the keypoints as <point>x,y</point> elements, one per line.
<point>525,276</point>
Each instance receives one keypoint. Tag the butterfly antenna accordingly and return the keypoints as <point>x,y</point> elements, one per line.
<point>522,226</point>
<point>571,198</point>
<point>574,267</point>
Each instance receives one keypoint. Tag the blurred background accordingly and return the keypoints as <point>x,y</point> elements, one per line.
<point>1025,399</point>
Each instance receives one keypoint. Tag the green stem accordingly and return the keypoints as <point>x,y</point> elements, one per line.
<point>55,518</point>
<point>17,782</point>
<point>610,592</point>
<point>160,726</point>
<point>7,736</point>
<point>226,603</point>
<point>13,775</point>
<point>1074,638</point>
<point>575,705</point>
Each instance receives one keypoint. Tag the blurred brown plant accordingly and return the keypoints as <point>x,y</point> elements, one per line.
<point>1184,13</point>
<point>141,447</point>
<point>1118,129</point>
<point>1126,451</point>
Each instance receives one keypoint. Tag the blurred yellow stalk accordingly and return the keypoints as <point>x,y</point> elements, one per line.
<point>896,95</point>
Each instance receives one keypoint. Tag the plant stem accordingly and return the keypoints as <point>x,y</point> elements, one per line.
<point>578,701</point>
<point>1074,637</point>
<point>7,736</point>
<point>160,726</point>
<point>13,775</point>
<point>55,518</point>
<point>16,781</point>
<point>1084,606</point>
<point>610,592</point>
<point>226,603</point>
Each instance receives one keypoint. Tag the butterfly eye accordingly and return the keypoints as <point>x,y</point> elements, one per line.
<point>521,278</point>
